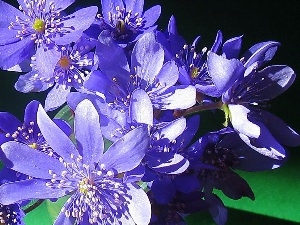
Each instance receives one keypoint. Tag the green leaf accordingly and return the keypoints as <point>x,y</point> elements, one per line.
<point>67,114</point>
<point>45,213</point>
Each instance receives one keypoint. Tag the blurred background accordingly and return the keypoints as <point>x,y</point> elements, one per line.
<point>277,192</point>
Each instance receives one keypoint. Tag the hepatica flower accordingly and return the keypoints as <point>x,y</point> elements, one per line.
<point>74,65</point>
<point>36,28</point>
<point>92,178</point>
<point>126,20</point>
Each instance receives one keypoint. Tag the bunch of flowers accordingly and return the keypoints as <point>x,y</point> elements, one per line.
<point>132,150</point>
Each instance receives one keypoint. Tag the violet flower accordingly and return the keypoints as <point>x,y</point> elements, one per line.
<point>244,86</point>
<point>37,28</point>
<point>91,177</point>
<point>74,65</point>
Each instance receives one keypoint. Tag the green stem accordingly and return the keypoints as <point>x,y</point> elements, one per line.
<point>199,108</point>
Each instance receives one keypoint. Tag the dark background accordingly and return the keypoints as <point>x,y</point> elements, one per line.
<point>257,20</point>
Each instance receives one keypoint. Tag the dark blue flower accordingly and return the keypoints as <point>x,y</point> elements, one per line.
<point>245,86</point>
<point>90,176</point>
<point>126,20</point>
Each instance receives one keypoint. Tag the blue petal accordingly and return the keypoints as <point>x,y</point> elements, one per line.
<point>75,23</point>
<point>151,15</point>
<point>8,13</point>
<point>8,122</point>
<point>223,71</point>
<point>139,206</point>
<point>15,53</point>
<point>141,110</point>
<point>248,159</point>
<point>29,189</point>
<point>55,137</point>
<point>241,123</point>
<point>231,48</point>
<point>167,162</point>
<point>163,190</point>
<point>171,131</point>
<point>136,6</point>
<point>30,112</point>
<point>31,82</point>
<point>22,158</point>
<point>127,153</point>
<point>186,183</point>
<point>56,97</point>
<point>46,60</point>
<point>217,209</point>
<point>112,59</point>
<point>147,58</point>
<point>176,97</point>
<point>167,77</point>
<point>260,53</point>
<point>88,133</point>
<point>280,130</point>
<point>217,43</point>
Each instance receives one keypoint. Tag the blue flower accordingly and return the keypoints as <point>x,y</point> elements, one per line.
<point>126,20</point>
<point>92,178</point>
<point>74,65</point>
<point>27,132</point>
<point>11,214</point>
<point>37,28</point>
<point>245,86</point>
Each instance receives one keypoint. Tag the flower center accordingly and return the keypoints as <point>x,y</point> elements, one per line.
<point>39,25</point>
<point>64,62</point>
<point>121,26</point>
<point>194,72</point>
<point>84,186</point>
<point>33,145</point>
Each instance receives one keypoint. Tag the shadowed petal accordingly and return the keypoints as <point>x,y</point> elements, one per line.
<point>127,152</point>
<point>9,123</point>
<point>280,130</point>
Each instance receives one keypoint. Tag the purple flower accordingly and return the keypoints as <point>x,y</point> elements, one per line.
<point>37,28</point>
<point>244,87</point>
<point>91,177</point>
<point>74,65</point>
<point>147,71</point>
<point>11,214</point>
<point>28,132</point>
<point>213,159</point>
<point>126,20</point>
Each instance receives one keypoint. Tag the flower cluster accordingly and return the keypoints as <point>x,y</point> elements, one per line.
<point>133,150</point>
